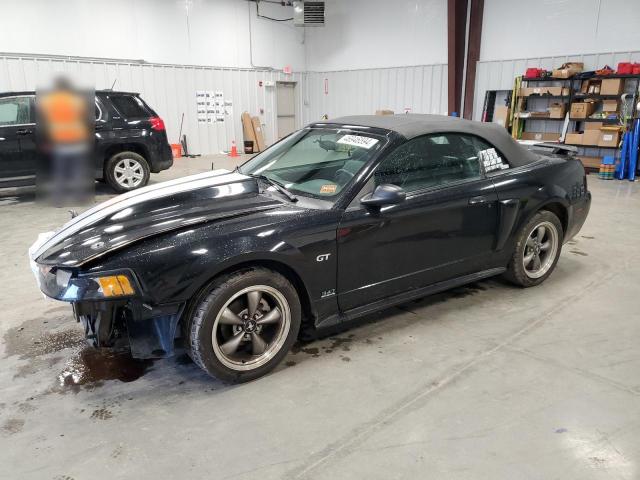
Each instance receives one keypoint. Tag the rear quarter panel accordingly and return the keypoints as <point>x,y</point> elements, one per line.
<point>552,180</point>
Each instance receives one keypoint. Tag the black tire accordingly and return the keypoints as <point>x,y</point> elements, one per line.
<point>209,305</point>
<point>111,176</point>
<point>516,272</point>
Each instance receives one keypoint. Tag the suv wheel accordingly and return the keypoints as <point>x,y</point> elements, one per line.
<point>127,171</point>
<point>537,250</point>
<point>243,326</point>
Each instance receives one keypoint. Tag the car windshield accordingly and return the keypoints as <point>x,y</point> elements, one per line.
<point>315,162</point>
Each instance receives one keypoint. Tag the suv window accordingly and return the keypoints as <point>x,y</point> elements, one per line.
<point>129,106</point>
<point>430,161</point>
<point>15,111</point>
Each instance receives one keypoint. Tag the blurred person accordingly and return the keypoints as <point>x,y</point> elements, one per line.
<point>64,132</point>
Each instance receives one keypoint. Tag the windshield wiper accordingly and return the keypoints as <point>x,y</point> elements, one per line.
<point>277,185</point>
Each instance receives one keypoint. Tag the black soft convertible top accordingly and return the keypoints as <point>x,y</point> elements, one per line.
<point>415,125</point>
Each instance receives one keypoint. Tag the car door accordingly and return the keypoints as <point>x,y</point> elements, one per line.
<point>17,141</point>
<point>445,228</point>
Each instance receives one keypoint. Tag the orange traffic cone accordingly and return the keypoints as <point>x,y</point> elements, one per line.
<point>234,149</point>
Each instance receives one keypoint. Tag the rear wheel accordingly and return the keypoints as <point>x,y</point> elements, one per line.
<point>127,171</point>
<point>537,250</point>
<point>244,324</point>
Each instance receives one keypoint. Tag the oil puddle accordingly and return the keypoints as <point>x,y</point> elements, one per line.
<point>90,367</point>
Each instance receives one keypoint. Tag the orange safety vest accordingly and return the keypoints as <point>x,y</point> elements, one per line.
<point>65,117</point>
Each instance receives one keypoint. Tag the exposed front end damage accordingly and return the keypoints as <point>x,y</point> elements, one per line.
<point>146,331</point>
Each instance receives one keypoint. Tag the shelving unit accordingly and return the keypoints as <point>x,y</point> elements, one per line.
<point>574,85</point>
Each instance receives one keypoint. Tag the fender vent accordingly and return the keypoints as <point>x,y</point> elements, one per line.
<point>308,14</point>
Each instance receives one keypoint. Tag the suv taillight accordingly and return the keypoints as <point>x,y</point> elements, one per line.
<point>157,124</point>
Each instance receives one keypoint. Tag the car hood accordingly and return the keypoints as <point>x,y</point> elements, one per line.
<point>150,211</point>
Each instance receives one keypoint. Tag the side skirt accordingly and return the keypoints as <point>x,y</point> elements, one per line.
<point>407,296</point>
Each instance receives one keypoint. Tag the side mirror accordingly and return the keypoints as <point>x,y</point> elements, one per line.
<point>385,194</point>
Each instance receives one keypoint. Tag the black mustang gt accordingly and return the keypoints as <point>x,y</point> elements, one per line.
<point>337,220</point>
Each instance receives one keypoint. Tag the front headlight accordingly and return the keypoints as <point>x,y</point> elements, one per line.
<point>110,285</point>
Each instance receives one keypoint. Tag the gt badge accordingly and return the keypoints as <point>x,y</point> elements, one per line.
<point>323,257</point>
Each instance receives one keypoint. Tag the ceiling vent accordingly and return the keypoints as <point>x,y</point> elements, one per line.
<point>308,14</point>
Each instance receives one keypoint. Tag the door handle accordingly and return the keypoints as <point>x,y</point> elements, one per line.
<point>23,131</point>
<point>477,200</point>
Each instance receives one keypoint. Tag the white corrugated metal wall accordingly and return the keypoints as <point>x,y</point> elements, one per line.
<point>499,75</point>
<point>421,89</point>
<point>170,90</point>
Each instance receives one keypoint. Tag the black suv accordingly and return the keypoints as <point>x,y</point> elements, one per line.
<point>130,140</point>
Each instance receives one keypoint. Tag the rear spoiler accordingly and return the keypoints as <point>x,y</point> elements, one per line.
<point>556,148</point>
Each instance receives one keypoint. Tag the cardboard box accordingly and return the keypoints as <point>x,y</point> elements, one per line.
<point>591,137</point>
<point>384,112</point>
<point>612,86</point>
<point>592,126</point>
<point>557,110</point>
<point>247,130</point>
<point>540,137</point>
<point>581,109</point>
<point>257,128</point>
<point>528,91</point>
<point>610,105</point>
<point>568,70</point>
<point>573,138</point>
<point>501,115</point>
<point>609,138</point>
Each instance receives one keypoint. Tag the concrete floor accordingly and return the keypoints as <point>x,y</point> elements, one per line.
<point>485,382</point>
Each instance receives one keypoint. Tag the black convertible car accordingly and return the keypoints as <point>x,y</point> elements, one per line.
<point>337,220</point>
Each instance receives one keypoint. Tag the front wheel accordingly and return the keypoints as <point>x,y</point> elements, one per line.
<point>537,250</point>
<point>243,326</point>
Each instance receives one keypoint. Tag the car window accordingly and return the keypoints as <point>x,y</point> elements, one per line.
<point>430,161</point>
<point>490,158</point>
<point>129,106</point>
<point>318,162</point>
<point>14,111</point>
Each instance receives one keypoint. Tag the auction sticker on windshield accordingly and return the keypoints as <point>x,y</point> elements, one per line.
<point>358,141</point>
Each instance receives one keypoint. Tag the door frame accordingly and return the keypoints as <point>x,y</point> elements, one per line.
<point>295,107</point>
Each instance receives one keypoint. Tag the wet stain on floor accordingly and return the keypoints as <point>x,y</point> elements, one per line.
<point>577,252</point>
<point>13,425</point>
<point>91,367</point>
<point>102,414</point>
<point>21,341</point>
<point>467,290</point>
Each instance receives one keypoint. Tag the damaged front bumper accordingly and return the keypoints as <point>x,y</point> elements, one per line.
<point>149,332</point>
<point>113,311</point>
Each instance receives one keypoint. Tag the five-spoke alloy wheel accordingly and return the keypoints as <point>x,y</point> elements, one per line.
<point>243,324</point>
<point>537,250</point>
<point>540,250</point>
<point>251,327</point>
